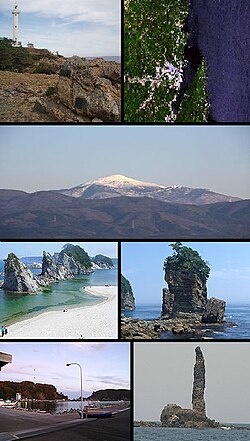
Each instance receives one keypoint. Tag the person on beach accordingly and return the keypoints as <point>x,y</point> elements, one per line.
<point>3,331</point>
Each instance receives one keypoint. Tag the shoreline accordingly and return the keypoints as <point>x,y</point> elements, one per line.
<point>85,322</point>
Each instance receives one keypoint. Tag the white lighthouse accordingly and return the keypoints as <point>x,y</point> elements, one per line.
<point>15,13</point>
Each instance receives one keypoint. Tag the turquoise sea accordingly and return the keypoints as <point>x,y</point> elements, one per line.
<point>235,313</point>
<point>65,294</point>
<point>166,434</point>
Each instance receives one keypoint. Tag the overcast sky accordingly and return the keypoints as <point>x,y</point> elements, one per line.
<point>164,375</point>
<point>24,249</point>
<point>51,157</point>
<point>105,365</point>
<point>142,264</point>
<point>72,27</point>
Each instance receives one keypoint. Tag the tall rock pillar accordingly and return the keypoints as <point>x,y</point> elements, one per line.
<point>198,401</point>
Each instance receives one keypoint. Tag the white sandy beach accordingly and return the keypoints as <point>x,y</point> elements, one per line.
<point>93,322</point>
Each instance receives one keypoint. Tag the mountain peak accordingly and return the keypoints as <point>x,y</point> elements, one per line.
<point>123,181</point>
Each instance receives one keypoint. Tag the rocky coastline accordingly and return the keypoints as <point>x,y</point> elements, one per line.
<point>186,312</point>
<point>59,266</point>
<point>132,328</point>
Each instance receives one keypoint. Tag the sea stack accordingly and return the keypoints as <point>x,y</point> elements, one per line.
<point>186,274</point>
<point>198,401</point>
<point>175,416</point>
<point>17,277</point>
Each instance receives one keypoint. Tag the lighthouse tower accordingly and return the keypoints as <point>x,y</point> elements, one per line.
<point>15,13</point>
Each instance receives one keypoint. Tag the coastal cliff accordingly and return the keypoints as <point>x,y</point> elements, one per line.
<point>127,298</point>
<point>17,277</point>
<point>102,262</point>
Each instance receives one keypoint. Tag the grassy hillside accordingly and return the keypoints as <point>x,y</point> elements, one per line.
<point>154,54</point>
<point>23,59</point>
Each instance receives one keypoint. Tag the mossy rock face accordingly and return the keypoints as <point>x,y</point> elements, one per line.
<point>155,40</point>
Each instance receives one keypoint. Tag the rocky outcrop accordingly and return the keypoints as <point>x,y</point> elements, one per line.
<point>187,293</point>
<point>214,311</point>
<point>102,262</point>
<point>59,266</point>
<point>87,90</point>
<point>186,274</point>
<point>127,298</point>
<point>17,277</point>
<point>198,401</point>
<point>175,416</point>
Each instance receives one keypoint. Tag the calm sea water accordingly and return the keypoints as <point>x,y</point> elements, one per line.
<point>165,434</point>
<point>64,294</point>
<point>239,314</point>
<point>57,406</point>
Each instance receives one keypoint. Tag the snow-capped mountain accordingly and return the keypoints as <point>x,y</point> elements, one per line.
<point>119,185</point>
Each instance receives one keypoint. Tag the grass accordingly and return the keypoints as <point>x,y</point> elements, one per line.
<point>154,35</point>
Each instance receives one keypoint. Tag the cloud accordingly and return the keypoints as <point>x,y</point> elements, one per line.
<point>71,27</point>
<point>231,274</point>
<point>95,11</point>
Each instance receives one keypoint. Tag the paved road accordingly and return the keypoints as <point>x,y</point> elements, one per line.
<point>110,429</point>
<point>116,428</point>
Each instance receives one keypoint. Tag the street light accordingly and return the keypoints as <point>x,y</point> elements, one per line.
<point>68,364</point>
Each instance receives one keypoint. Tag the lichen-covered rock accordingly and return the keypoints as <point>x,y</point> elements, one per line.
<point>214,311</point>
<point>127,298</point>
<point>91,88</point>
<point>17,277</point>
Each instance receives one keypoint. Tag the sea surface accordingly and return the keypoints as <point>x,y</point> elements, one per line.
<point>107,58</point>
<point>235,313</point>
<point>57,406</point>
<point>64,294</point>
<point>168,434</point>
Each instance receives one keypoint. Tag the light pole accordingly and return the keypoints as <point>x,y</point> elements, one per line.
<point>68,364</point>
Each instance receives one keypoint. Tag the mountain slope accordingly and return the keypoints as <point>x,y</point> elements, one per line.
<point>52,215</point>
<point>119,185</point>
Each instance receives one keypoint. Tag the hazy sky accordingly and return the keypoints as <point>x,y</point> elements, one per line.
<point>24,249</point>
<point>164,375</point>
<point>105,365</point>
<point>51,157</point>
<point>72,27</point>
<point>142,264</point>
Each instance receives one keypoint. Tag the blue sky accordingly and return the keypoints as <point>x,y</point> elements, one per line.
<point>24,249</point>
<point>51,157</point>
<point>105,365</point>
<point>72,27</point>
<point>142,264</point>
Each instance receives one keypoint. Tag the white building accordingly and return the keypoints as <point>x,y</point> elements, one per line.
<point>15,13</point>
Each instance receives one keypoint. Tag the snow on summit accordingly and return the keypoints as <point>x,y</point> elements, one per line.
<point>123,181</point>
